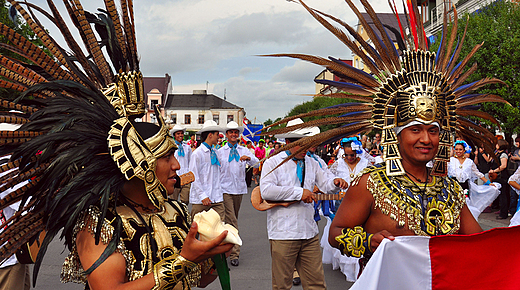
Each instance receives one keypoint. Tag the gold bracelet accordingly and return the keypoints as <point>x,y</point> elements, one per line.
<point>354,242</point>
<point>170,271</point>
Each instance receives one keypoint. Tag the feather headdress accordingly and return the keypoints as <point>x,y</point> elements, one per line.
<point>404,84</point>
<point>78,142</point>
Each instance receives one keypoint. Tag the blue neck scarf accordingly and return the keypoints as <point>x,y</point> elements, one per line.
<point>300,166</point>
<point>233,153</point>
<point>212,154</point>
<point>310,154</point>
<point>180,151</point>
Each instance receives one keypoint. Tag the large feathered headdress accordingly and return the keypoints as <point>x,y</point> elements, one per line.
<point>78,142</point>
<point>405,84</point>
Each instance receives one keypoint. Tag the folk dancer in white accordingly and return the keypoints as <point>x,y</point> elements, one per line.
<point>292,231</point>
<point>183,155</point>
<point>234,159</point>
<point>465,171</point>
<point>352,162</point>
<point>205,192</point>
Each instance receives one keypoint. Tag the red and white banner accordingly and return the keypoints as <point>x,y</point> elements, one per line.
<point>488,260</point>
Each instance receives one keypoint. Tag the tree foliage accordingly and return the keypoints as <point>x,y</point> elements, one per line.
<point>497,26</point>
<point>23,29</point>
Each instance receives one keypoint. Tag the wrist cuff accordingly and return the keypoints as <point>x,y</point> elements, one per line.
<point>487,182</point>
<point>168,272</point>
<point>354,242</point>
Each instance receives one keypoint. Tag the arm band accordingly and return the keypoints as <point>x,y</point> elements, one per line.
<point>354,242</point>
<point>487,182</point>
<point>170,271</point>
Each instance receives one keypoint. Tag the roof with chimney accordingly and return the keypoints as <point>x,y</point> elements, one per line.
<point>159,83</point>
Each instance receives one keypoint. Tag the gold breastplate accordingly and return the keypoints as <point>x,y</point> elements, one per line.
<point>427,209</point>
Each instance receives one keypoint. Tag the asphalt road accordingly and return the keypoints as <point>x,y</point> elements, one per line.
<point>254,271</point>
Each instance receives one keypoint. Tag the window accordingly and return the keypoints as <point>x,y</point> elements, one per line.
<point>216,119</point>
<point>153,103</point>
<point>187,119</point>
<point>230,118</point>
<point>201,118</point>
<point>173,118</point>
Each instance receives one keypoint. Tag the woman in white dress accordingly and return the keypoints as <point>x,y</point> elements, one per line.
<point>347,167</point>
<point>465,171</point>
<point>514,182</point>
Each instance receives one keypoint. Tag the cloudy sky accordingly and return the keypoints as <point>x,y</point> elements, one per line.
<point>218,42</point>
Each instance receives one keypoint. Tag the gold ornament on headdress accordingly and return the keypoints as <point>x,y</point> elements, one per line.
<point>136,157</point>
<point>126,94</point>
<point>405,84</point>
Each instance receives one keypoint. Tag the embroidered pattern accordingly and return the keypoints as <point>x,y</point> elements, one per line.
<point>436,211</point>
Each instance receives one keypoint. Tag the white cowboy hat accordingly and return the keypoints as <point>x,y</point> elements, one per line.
<point>177,128</point>
<point>298,133</point>
<point>234,126</point>
<point>210,126</point>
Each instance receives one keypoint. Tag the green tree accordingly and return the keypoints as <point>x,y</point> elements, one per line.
<point>23,29</point>
<point>497,26</point>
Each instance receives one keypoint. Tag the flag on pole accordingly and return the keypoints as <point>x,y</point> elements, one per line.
<point>487,260</point>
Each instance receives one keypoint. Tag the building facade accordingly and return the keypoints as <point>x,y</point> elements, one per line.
<point>192,110</point>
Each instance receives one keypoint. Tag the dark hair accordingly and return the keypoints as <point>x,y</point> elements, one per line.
<point>204,135</point>
<point>517,139</point>
<point>249,142</point>
<point>146,130</point>
<point>502,145</point>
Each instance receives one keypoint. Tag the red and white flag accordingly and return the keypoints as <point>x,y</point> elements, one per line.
<point>487,260</point>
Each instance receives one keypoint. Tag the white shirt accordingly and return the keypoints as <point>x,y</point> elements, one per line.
<point>341,169</point>
<point>8,212</point>
<point>296,221</point>
<point>462,172</point>
<point>233,174</point>
<point>184,161</point>
<point>207,177</point>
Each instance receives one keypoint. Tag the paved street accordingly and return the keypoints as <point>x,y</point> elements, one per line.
<point>254,271</point>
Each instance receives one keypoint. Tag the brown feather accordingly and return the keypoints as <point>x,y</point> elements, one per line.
<point>459,48</point>
<point>13,120</point>
<point>463,123</point>
<point>348,96</point>
<point>375,57</point>
<point>453,36</point>
<point>342,37</point>
<point>442,52</point>
<point>128,21</point>
<point>13,66</point>
<point>91,41</point>
<point>321,112</point>
<point>489,144</point>
<point>479,114</point>
<point>312,141</point>
<point>16,195</point>
<point>352,73</point>
<point>23,47</point>
<point>384,36</point>
<point>112,12</point>
<point>372,35</point>
<point>71,42</point>
<point>481,99</point>
<point>477,85</point>
<point>324,121</point>
<point>10,165</point>
<point>466,60</point>
<point>456,82</point>
<point>14,106</point>
<point>42,34</point>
